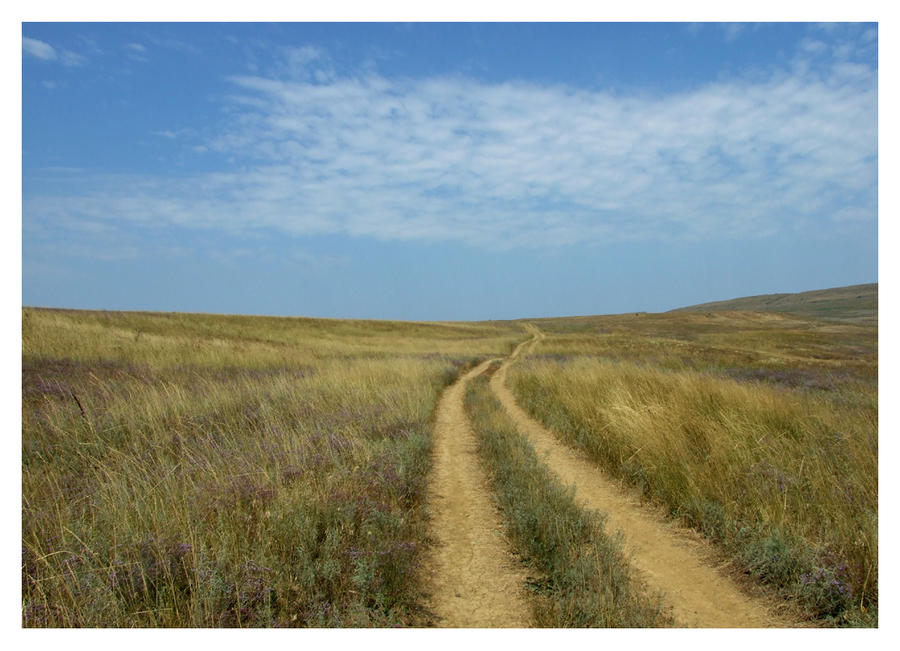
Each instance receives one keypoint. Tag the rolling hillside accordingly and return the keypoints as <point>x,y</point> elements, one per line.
<point>857,303</point>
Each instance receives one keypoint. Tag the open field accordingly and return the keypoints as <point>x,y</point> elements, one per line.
<point>191,470</point>
<point>198,470</point>
<point>760,430</point>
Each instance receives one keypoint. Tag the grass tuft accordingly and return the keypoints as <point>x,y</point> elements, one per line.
<point>581,578</point>
<point>230,471</point>
<point>781,474</point>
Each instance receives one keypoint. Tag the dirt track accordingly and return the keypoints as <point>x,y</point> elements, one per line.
<point>475,581</point>
<point>669,558</point>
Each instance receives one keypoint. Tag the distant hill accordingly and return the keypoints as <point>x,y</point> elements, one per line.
<point>857,303</point>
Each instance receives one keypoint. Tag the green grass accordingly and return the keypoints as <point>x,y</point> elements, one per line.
<point>581,578</point>
<point>743,428</point>
<point>197,470</point>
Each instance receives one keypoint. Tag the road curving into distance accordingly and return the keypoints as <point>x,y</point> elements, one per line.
<point>477,583</point>
<point>669,558</point>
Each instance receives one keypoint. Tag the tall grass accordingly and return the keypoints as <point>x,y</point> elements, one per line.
<point>192,470</point>
<point>581,577</point>
<point>782,475</point>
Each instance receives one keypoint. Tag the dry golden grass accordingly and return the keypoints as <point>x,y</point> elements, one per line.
<point>760,430</point>
<point>581,577</point>
<point>198,470</point>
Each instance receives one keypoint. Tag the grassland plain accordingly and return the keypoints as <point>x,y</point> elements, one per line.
<point>760,430</point>
<point>667,556</point>
<point>197,470</point>
<point>580,577</point>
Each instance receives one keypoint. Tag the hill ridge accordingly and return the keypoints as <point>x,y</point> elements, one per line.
<point>858,303</point>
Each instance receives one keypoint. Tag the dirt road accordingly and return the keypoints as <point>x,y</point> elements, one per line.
<point>475,581</point>
<point>669,558</point>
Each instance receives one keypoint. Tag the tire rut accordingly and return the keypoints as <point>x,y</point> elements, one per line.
<point>668,558</point>
<point>475,580</point>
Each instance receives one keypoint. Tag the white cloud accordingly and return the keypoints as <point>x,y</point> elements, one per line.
<point>136,52</point>
<point>298,57</point>
<point>38,49</point>
<point>307,63</point>
<point>47,52</point>
<point>72,59</point>
<point>812,46</point>
<point>518,164</point>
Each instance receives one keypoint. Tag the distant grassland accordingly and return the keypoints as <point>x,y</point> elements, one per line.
<point>855,303</point>
<point>758,429</point>
<point>200,470</point>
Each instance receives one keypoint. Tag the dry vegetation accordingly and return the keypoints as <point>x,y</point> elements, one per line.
<point>580,575</point>
<point>853,304</point>
<point>758,429</point>
<point>198,470</point>
<point>195,470</point>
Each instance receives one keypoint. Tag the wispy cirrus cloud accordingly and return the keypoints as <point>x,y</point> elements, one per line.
<point>38,49</point>
<point>518,164</point>
<point>46,52</point>
<point>136,52</point>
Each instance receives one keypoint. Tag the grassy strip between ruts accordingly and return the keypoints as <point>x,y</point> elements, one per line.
<point>785,482</point>
<point>581,578</point>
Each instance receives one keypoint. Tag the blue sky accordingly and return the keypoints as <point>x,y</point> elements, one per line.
<point>444,171</point>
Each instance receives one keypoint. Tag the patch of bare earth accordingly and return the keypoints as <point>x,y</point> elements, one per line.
<point>475,581</point>
<point>669,558</point>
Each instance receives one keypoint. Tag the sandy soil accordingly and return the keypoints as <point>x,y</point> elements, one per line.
<point>669,558</point>
<point>475,580</point>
